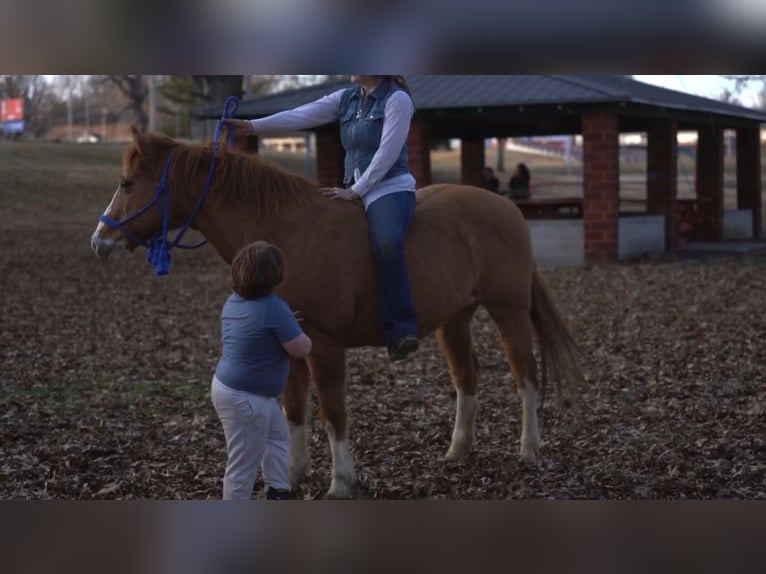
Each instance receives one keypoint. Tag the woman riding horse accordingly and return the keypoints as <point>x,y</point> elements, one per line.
<point>465,249</point>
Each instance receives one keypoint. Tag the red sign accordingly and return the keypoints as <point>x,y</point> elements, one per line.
<point>11,110</point>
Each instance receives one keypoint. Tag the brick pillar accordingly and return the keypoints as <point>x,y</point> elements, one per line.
<point>749,174</point>
<point>330,157</point>
<point>471,160</point>
<point>601,183</point>
<point>662,177</point>
<point>419,151</point>
<point>710,182</point>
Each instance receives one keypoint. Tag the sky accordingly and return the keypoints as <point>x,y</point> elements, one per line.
<point>711,86</point>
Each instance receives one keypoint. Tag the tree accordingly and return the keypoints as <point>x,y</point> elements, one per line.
<point>213,90</point>
<point>177,101</point>
<point>314,79</point>
<point>743,81</point>
<point>729,97</point>
<point>135,90</point>
<point>39,100</point>
<point>180,96</point>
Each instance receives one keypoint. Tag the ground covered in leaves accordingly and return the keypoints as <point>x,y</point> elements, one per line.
<point>106,371</point>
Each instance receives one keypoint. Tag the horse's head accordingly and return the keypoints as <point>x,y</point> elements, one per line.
<point>135,213</point>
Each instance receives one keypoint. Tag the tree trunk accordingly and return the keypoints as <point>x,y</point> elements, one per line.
<point>213,90</point>
<point>133,87</point>
<point>137,95</point>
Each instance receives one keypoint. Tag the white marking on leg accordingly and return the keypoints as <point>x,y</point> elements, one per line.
<point>343,472</point>
<point>300,459</point>
<point>465,421</point>
<point>530,433</point>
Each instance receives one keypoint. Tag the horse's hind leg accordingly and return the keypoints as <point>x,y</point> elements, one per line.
<point>327,366</point>
<point>295,400</point>
<point>454,339</point>
<point>516,332</point>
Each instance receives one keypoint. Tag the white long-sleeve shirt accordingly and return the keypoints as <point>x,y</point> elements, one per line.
<point>398,114</point>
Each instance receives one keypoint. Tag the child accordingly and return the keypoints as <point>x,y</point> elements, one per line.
<point>259,334</point>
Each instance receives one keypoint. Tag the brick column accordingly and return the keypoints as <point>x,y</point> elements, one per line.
<point>601,183</point>
<point>419,151</point>
<point>330,157</point>
<point>710,182</point>
<point>749,174</point>
<point>662,177</point>
<point>471,160</point>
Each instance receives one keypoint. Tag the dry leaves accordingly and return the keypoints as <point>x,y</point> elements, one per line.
<point>106,369</point>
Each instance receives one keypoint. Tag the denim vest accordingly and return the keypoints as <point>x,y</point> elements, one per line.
<point>361,127</point>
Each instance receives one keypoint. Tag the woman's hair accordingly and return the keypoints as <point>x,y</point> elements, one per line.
<point>257,268</point>
<point>399,81</point>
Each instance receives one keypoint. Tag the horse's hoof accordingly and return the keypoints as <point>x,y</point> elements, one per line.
<point>530,455</point>
<point>341,490</point>
<point>455,454</point>
<point>298,476</point>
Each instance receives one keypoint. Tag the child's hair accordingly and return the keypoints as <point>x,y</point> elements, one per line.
<point>256,269</point>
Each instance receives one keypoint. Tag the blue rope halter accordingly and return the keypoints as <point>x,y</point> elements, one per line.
<point>158,247</point>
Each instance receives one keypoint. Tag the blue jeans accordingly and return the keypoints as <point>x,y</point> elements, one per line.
<point>388,219</point>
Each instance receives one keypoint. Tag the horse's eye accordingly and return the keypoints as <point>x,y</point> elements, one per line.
<point>125,184</point>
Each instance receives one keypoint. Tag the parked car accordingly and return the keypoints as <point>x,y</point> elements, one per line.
<point>88,138</point>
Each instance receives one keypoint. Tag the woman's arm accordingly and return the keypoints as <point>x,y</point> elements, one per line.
<point>321,111</point>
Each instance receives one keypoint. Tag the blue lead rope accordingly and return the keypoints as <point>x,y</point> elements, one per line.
<point>158,247</point>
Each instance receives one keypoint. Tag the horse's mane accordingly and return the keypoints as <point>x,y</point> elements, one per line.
<point>238,178</point>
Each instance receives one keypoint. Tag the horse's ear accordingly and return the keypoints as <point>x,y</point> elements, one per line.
<point>139,138</point>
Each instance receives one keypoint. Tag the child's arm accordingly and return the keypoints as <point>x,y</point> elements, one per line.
<point>288,331</point>
<point>298,347</point>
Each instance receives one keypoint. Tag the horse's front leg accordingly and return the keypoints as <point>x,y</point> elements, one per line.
<point>328,369</point>
<point>296,404</point>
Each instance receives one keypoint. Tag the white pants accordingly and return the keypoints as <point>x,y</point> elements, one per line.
<point>256,436</point>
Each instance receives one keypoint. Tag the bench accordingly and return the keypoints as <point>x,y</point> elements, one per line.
<point>550,208</point>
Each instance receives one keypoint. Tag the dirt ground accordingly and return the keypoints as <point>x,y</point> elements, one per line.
<point>106,371</point>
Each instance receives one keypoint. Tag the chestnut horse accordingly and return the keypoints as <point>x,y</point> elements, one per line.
<point>466,248</point>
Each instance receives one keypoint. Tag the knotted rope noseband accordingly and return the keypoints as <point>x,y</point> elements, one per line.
<point>158,247</point>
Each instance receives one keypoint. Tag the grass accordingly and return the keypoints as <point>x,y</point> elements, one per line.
<point>29,169</point>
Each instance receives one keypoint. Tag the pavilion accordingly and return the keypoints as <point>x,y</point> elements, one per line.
<point>599,108</point>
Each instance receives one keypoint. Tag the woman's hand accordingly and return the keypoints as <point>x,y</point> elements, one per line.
<point>240,128</point>
<point>338,193</point>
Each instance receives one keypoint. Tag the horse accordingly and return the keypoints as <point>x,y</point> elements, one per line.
<point>465,249</point>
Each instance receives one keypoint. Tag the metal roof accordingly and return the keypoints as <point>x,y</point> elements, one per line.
<point>435,92</point>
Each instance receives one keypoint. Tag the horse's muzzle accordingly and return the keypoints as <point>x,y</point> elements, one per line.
<point>102,247</point>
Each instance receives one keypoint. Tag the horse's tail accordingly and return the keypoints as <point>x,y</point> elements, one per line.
<point>558,349</point>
